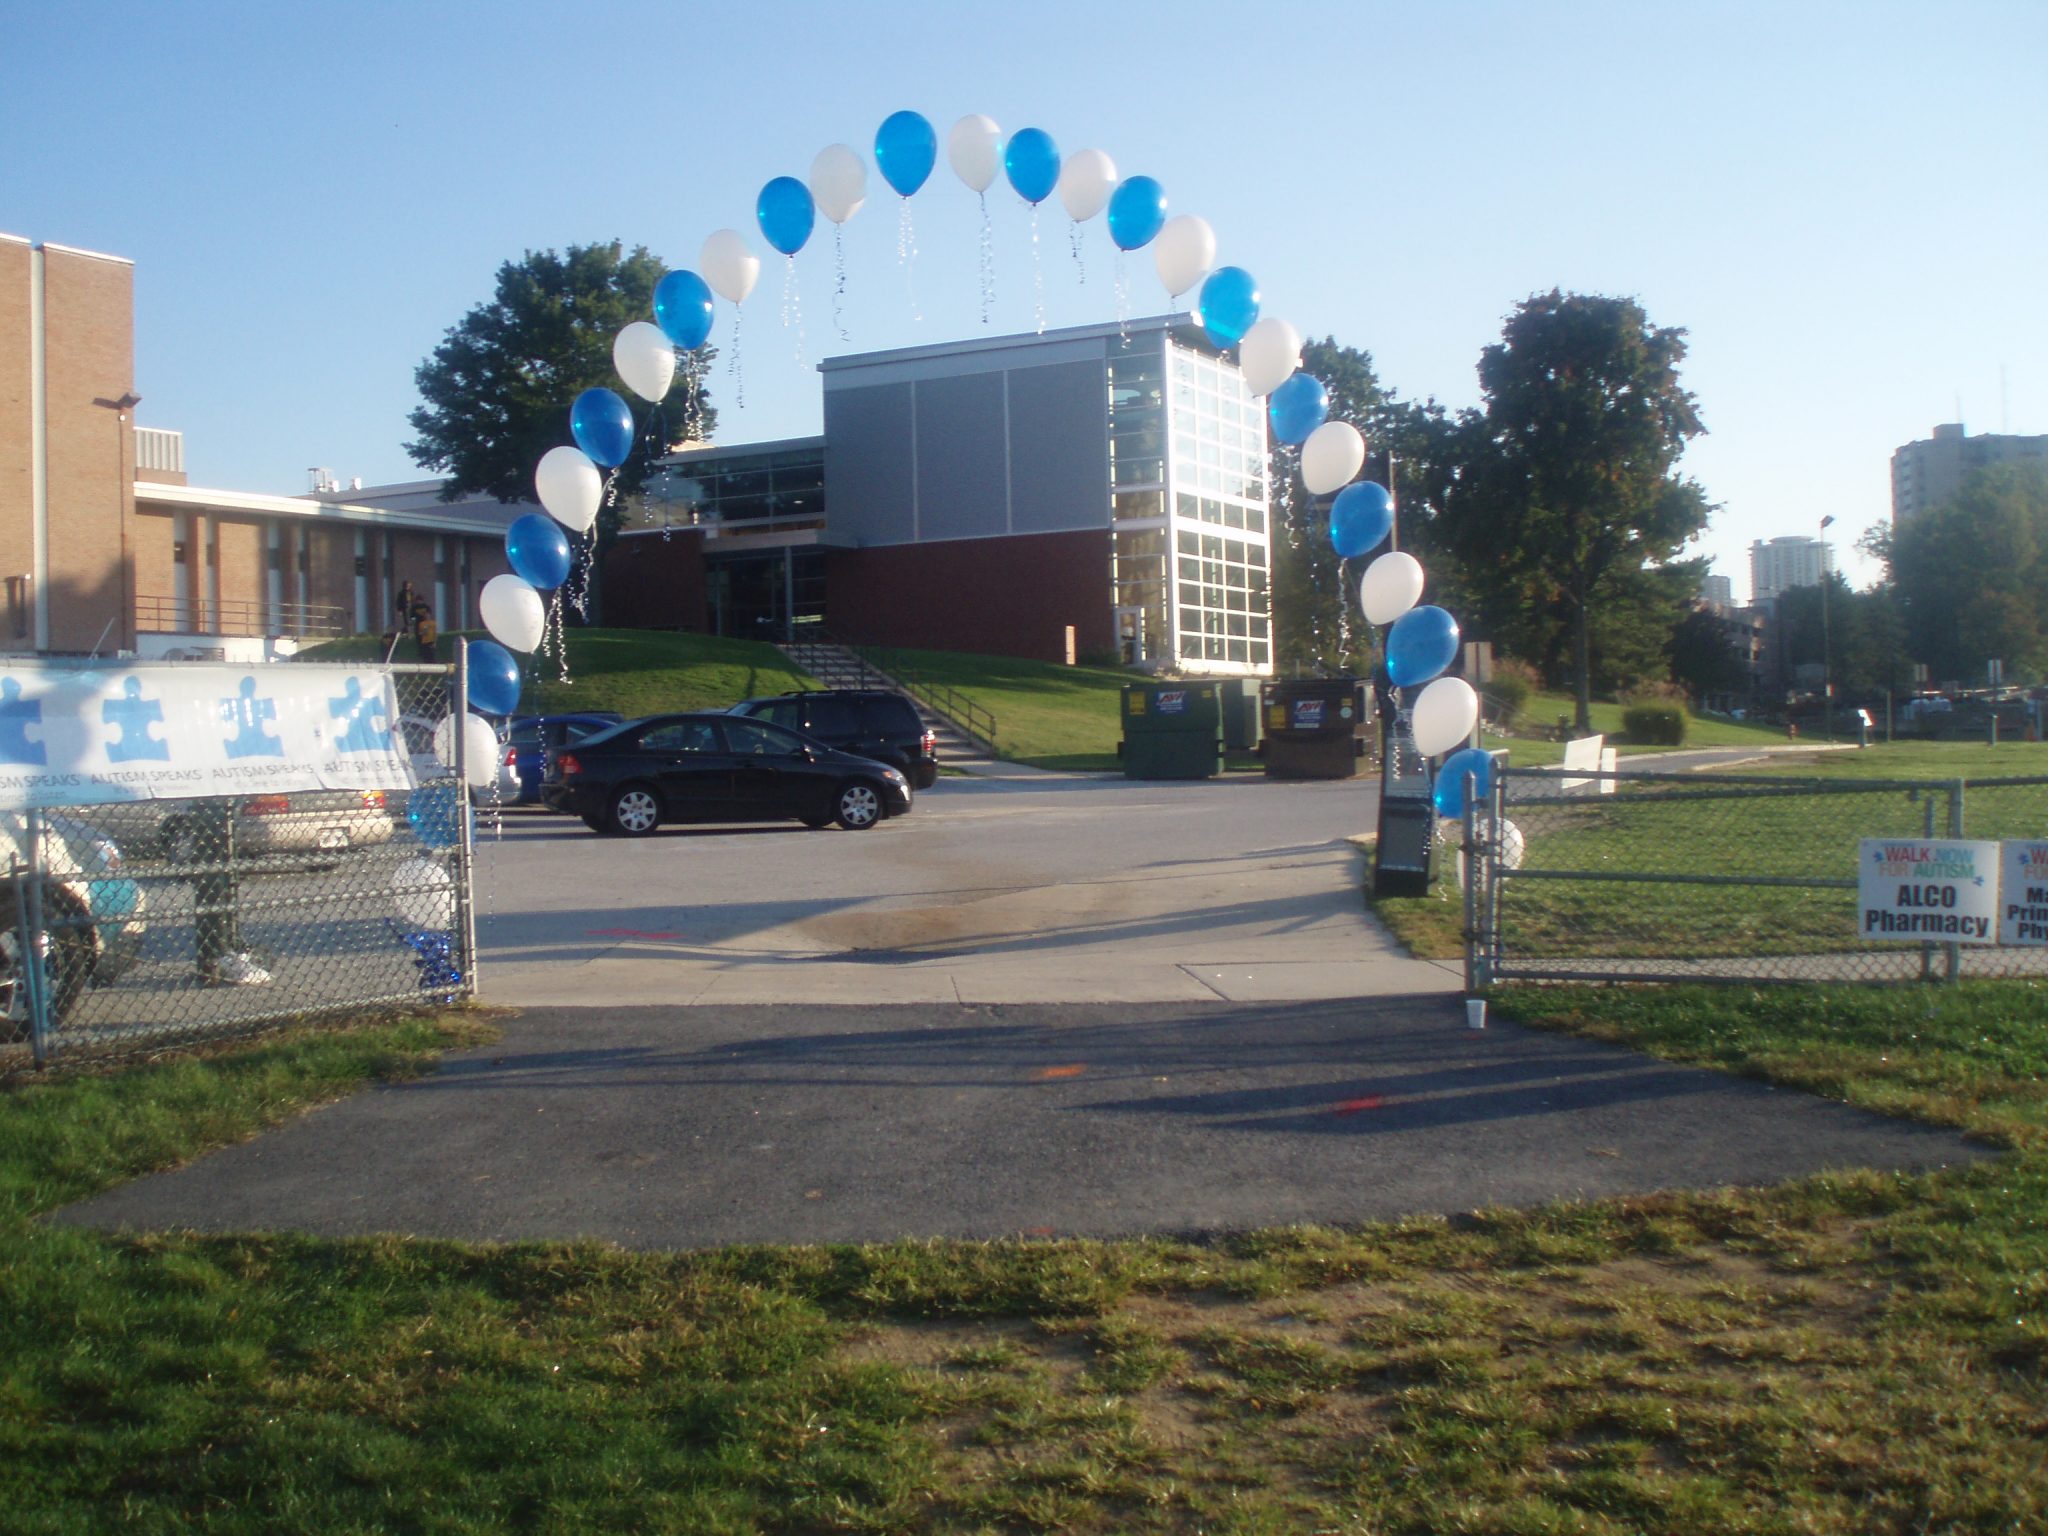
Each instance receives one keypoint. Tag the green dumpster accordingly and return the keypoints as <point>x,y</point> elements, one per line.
<point>1172,731</point>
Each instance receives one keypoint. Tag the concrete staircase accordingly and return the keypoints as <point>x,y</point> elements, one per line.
<point>836,666</point>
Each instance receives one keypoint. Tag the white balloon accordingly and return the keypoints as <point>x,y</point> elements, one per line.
<point>1512,845</point>
<point>839,182</point>
<point>479,744</point>
<point>1182,251</point>
<point>728,265</point>
<point>1390,586</point>
<point>1443,716</point>
<point>974,148</point>
<point>1086,180</point>
<point>512,612</point>
<point>425,895</point>
<point>569,486</point>
<point>1270,351</point>
<point>646,360</point>
<point>1331,458</point>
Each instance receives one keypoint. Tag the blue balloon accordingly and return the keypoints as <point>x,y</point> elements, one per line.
<point>1137,212</point>
<point>602,423</point>
<point>493,678</point>
<point>1032,162</point>
<point>1422,643</point>
<point>906,149</point>
<point>1360,517</point>
<point>1228,305</point>
<point>1297,407</point>
<point>538,550</point>
<point>432,812</point>
<point>1450,780</point>
<point>786,213</point>
<point>682,308</point>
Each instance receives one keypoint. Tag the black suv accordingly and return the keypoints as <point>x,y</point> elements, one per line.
<point>868,722</point>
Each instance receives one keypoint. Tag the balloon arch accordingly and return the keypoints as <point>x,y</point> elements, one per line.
<point>573,483</point>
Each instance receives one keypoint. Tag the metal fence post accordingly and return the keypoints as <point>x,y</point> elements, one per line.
<point>465,907</point>
<point>1473,855</point>
<point>34,934</point>
<point>1955,829</point>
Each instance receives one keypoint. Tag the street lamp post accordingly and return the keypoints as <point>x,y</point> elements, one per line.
<point>1827,666</point>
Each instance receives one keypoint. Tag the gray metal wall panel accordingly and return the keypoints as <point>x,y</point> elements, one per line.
<point>870,494</point>
<point>962,476</point>
<point>1059,448</point>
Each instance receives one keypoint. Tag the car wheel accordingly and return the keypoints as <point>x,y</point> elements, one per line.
<point>635,811</point>
<point>67,962</point>
<point>860,806</point>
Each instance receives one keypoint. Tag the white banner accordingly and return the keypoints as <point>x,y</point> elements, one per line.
<point>92,735</point>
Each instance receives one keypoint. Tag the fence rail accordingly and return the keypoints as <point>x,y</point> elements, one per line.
<point>1715,878</point>
<point>238,616</point>
<point>128,927</point>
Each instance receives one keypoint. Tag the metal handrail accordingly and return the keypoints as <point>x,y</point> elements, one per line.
<point>237,616</point>
<point>962,712</point>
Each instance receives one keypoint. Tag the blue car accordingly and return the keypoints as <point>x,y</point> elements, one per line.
<point>531,739</point>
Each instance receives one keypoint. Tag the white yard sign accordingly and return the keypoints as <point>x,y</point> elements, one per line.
<point>1912,890</point>
<point>2023,904</point>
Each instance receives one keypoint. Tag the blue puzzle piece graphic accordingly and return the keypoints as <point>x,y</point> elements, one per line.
<point>362,735</point>
<point>249,712</point>
<point>134,715</point>
<point>16,716</point>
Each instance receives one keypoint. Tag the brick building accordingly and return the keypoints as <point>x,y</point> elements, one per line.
<point>104,546</point>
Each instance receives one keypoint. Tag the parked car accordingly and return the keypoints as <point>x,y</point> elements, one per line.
<point>92,912</point>
<point>304,821</point>
<point>868,722</point>
<point>424,746</point>
<point>717,767</point>
<point>531,739</point>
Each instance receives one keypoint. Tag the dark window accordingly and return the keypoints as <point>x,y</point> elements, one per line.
<point>757,738</point>
<point>833,717</point>
<point>681,736</point>
<point>784,713</point>
<point>890,717</point>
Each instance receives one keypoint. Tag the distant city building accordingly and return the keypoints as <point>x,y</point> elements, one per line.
<point>1927,473</point>
<point>1718,590</point>
<point>1778,565</point>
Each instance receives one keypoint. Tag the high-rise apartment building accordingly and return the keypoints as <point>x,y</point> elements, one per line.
<point>1793,560</point>
<point>1927,473</point>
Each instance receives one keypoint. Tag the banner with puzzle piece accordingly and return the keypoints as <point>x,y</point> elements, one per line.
<point>73,734</point>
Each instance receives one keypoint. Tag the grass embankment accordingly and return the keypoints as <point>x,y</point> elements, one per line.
<point>1850,1354</point>
<point>1798,835</point>
<point>633,671</point>
<point>1048,715</point>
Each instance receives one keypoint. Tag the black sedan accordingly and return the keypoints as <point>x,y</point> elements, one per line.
<point>705,767</point>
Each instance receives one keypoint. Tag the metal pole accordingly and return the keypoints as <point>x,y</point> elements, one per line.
<point>465,907</point>
<point>27,973</point>
<point>1472,856</point>
<point>1955,829</point>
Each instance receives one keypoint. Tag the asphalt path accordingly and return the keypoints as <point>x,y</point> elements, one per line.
<point>1036,1005</point>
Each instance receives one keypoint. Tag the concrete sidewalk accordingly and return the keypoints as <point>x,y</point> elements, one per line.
<point>695,1127</point>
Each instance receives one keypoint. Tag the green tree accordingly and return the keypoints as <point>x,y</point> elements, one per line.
<point>1969,576</point>
<point>499,387</point>
<point>1568,492</point>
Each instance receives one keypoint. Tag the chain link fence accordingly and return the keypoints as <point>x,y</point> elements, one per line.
<point>131,926</point>
<point>1636,876</point>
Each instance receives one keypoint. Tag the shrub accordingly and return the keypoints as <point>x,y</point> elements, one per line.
<point>1654,724</point>
<point>1509,688</point>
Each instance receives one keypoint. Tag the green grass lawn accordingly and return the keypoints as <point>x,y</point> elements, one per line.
<point>1849,1354</point>
<point>1048,715</point>
<point>633,671</point>
<point>1544,710</point>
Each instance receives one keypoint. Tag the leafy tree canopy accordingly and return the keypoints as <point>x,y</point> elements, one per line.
<point>499,387</point>
<point>1567,490</point>
<point>1970,575</point>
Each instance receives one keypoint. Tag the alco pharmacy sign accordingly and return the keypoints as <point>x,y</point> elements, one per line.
<point>1911,890</point>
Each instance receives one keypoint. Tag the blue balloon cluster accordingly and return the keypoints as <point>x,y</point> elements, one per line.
<point>434,954</point>
<point>603,426</point>
<point>1229,305</point>
<point>1297,408</point>
<point>786,214</point>
<point>682,308</point>
<point>906,149</point>
<point>1032,162</point>
<point>538,551</point>
<point>1137,212</point>
<point>1360,517</point>
<point>1474,763</point>
<point>1421,645</point>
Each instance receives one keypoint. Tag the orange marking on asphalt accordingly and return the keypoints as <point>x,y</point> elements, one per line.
<point>1353,1106</point>
<point>1075,1070</point>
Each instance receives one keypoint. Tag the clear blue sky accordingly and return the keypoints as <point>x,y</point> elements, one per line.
<point>1843,204</point>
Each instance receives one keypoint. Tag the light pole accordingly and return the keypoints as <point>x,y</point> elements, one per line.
<point>1827,668</point>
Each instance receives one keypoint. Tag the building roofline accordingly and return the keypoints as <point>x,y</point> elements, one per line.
<point>769,445</point>
<point>148,491</point>
<point>1104,330</point>
<point>67,250</point>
